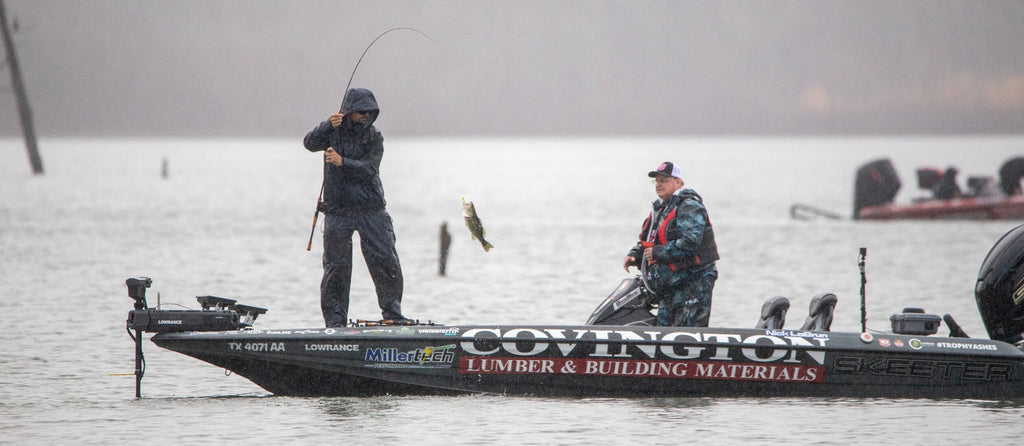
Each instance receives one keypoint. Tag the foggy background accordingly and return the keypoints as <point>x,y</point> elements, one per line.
<point>243,68</point>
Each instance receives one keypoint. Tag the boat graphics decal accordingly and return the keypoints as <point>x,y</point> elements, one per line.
<point>256,346</point>
<point>800,334</point>
<point>979,345</point>
<point>447,331</point>
<point>645,345</point>
<point>423,357</point>
<point>622,301</point>
<point>331,347</point>
<point>1018,293</point>
<point>307,331</point>
<point>642,369</point>
<point>403,330</point>
<point>966,346</point>
<point>974,370</point>
<point>898,343</point>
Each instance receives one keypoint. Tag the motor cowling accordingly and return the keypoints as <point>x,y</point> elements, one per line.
<point>877,183</point>
<point>1010,174</point>
<point>1000,288</point>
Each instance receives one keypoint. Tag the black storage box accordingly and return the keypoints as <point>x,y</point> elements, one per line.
<point>913,321</point>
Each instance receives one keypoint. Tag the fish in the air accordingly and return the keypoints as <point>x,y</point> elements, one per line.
<point>476,228</point>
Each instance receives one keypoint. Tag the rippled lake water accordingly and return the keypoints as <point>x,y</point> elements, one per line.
<point>233,216</point>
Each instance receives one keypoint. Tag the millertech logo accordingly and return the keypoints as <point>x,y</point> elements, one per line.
<point>444,354</point>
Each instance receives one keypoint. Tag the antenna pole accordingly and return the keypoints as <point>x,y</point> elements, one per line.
<point>863,299</point>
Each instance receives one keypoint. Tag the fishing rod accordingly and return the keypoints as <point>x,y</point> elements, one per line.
<point>323,183</point>
<point>353,75</point>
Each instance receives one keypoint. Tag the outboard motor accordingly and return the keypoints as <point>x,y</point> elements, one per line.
<point>928,177</point>
<point>1000,288</point>
<point>981,186</point>
<point>877,183</point>
<point>629,304</point>
<point>1010,174</point>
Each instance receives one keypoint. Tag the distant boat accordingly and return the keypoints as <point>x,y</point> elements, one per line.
<point>1002,208</point>
<point>877,184</point>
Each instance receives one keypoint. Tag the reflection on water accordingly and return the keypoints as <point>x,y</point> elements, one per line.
<point>343,408</point>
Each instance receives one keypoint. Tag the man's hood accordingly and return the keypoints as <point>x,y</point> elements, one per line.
<point>361,100</point>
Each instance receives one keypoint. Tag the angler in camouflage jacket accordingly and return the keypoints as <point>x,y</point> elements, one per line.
<point>681,252</point>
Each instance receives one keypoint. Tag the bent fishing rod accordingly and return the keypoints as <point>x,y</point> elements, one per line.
<point>323,183</point>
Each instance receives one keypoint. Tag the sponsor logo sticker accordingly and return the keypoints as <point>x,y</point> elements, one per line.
<point>641,369</point>
<point>1018,294</point>
<point>423,357</point>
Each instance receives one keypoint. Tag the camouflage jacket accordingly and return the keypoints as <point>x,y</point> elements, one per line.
<point>683,238</point>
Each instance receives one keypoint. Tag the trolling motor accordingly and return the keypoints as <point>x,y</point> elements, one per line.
<point>217,314</point>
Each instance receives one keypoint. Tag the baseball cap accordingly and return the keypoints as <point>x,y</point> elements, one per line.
<point>668,169</point>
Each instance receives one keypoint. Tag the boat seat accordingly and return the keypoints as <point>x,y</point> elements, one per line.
<point>773,313</point>
<point>819,315</point>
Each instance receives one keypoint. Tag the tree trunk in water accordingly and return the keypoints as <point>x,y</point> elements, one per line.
<point>19,92</point>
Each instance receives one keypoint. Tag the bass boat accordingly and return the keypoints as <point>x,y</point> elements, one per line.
<point>986,199</point>
<point>617,352</point>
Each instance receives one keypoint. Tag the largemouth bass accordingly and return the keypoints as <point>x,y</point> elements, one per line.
<point>476,228</point>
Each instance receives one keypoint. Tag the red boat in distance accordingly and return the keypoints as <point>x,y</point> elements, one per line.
<point>1005,208</point>
<point>877,184</point>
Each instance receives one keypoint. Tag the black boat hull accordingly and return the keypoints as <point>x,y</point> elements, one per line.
<point>608,361</point>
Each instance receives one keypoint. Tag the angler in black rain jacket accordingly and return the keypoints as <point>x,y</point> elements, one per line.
<point>354,201</point>
<point>355,184</point>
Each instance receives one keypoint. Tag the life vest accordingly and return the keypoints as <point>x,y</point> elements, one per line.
<point>707,253</point>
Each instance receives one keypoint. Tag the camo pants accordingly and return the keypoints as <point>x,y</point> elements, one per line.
<point>689,304</point>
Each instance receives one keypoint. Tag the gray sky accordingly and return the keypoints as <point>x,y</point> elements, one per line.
<point>192,68</point>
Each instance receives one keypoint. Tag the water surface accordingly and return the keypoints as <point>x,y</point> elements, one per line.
<point>233,216</point>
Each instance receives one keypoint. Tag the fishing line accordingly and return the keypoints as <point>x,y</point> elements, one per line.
<point>323,183</point>
<point>353,75</point>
